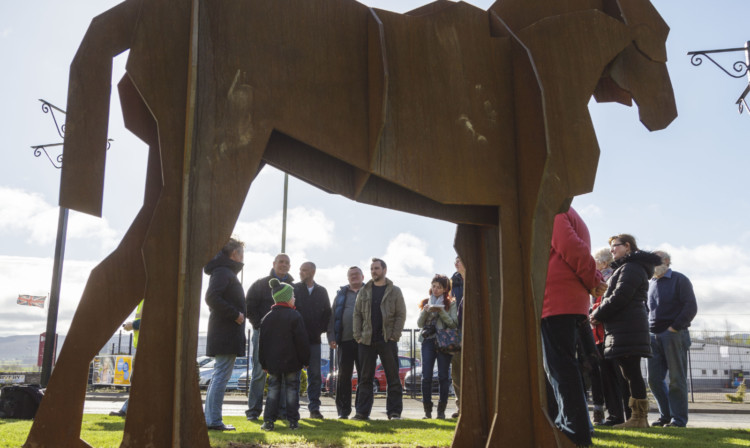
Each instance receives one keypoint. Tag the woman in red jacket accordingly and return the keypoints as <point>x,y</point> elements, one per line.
<point>571,276</point>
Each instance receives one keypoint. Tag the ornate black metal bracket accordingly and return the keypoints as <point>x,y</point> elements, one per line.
<point>39,149</point>
<point>740,68</point>
<point>50,108</point>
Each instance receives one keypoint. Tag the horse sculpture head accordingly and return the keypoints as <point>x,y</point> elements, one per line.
<point>639,72</point>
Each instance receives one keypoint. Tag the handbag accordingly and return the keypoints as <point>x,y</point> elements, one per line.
<point>448,340</point>
<point>427,331</point>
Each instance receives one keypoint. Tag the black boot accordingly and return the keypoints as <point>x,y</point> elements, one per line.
<point>441,410</point>
<point>427,410</point>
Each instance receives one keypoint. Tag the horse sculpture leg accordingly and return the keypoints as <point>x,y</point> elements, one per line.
<point>101,310</point>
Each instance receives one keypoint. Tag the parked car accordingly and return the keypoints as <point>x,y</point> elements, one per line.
<point>379,383</point>
<point>203,360</point>
<point>413,382</point>
<point>324,365</point>
<point>207,371</point>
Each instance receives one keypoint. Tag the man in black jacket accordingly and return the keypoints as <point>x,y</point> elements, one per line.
<point>259,302</point>
<point>226,326</point>
<point>315,307</point>
<point>283,352</point>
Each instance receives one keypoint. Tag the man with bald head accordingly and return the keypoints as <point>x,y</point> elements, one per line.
<point>259,301</point>
<point>315,307</point>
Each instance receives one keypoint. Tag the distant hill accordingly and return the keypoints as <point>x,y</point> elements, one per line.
<point>23,349</point>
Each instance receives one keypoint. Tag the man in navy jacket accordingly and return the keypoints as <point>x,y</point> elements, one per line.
<point>671,308</point>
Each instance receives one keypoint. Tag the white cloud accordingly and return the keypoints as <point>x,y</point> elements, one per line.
<point>411,269</point>
<point>30,215</point>
<point>31,275</point>
<point>6,32</point>
<point>708,258</point>
<point>719,276</point>
<point>590,211</point>
<point>407,252</point>
<point>306,229</point>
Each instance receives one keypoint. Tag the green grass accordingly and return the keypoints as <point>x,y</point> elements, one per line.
<point>104,431</point>
<point>672,438</point>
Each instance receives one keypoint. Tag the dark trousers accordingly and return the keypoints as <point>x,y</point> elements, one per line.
<point>589,358</point>
<point>348,358</point>
<point>368,354</point>
<point>566,398</point>
<point>630,366</point>
<point>616,395</point>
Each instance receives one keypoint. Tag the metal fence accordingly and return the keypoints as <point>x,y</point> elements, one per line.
<point>718,362</point>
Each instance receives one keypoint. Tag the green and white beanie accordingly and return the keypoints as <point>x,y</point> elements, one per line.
<point>282,292</point>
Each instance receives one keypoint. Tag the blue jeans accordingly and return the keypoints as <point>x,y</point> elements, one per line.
<point>223,366</point>
<point>670,354</point>
<point>282,386</point>
<point>429,356</point>
<point>313,379</point>
<point>567,403</point>
<point>257,381</point>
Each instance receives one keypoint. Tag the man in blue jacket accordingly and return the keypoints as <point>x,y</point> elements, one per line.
<point>671,308</point>
<point>341,337</point>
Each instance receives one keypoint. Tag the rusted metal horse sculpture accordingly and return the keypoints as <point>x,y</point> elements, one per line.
<point>475,117</point>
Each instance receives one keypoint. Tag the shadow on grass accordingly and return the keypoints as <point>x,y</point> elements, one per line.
<point>106,424</point>
<point>338,433</point>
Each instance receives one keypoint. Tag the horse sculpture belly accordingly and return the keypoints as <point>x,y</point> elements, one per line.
<point>357,101</point>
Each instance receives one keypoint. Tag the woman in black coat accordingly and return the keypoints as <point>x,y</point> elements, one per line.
<point>624,314</point>
<point>226,325</point>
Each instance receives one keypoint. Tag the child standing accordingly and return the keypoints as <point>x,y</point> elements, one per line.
<point>283,350</point>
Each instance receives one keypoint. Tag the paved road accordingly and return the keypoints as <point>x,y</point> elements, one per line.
<point>708,416</point>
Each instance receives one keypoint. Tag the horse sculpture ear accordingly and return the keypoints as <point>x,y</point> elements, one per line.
<point>650,31</point>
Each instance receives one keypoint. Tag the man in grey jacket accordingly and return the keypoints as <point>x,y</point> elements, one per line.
<point>379,316</point>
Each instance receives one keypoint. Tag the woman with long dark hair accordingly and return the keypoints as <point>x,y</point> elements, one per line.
<point>624,313</point>
<point>438,312</point>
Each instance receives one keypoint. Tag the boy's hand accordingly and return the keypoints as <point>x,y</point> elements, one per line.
<point>240,319</point>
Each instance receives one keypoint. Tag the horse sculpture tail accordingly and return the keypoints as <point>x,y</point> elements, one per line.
<point>82,181</point>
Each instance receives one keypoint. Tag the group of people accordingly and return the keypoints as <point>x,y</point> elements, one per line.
<point>608,312</point>
<point>601,314</point>
<point>364,323</point>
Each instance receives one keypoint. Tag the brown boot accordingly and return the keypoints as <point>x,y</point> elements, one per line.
<point>639,415</point>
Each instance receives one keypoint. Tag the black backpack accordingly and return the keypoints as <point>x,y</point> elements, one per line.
<point>20,401</point>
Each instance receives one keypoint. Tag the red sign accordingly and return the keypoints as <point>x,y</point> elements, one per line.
<point>42,338</point>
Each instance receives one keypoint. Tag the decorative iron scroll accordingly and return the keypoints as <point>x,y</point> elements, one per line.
<point>50,108</point>
<point>740,68</point>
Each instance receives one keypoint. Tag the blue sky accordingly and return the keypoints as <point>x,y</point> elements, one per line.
<point>681,189</point>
